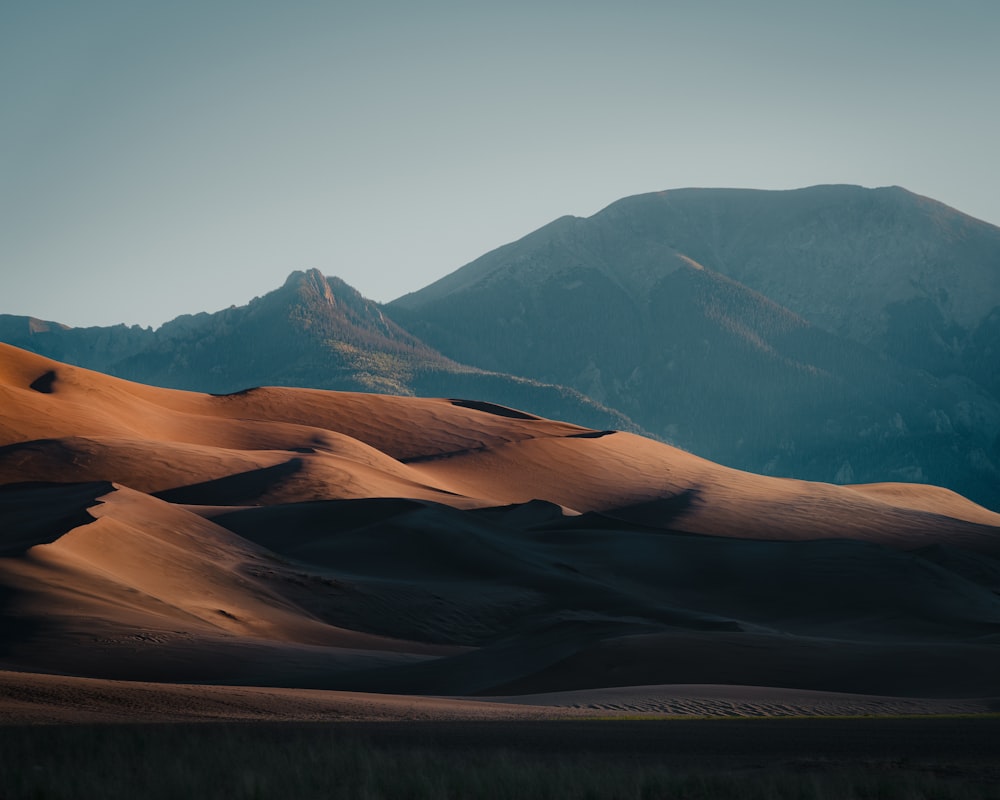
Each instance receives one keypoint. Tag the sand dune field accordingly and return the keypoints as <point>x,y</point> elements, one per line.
<point>287,553</point>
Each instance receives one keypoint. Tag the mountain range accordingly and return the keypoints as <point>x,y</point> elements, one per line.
<point>833,333</point>
<point>313,331</point>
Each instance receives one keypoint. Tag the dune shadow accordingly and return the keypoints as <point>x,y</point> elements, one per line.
<point>14,629</point>
<point>44,383</point>
<point>237,393</point>
<point>286,526</point>
<point>33,514</point>
<point>658,514</point>
<point>39,513</point>
<point>244,488</point>
<point>492,408</point>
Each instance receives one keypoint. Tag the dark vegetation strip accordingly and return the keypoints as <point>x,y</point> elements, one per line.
<point>816,758</point>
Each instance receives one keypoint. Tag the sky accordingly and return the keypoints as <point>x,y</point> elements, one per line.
<point>160,158</point>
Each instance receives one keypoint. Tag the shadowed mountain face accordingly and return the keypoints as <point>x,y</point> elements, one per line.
<point>832,333</point>
<point>313,331</point>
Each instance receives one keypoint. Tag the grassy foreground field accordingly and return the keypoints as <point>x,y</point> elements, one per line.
<point>884,758</point>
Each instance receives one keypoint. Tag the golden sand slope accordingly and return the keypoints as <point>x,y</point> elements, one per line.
<point>288,445</point>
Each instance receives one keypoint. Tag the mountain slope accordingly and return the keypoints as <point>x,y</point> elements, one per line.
<point>847,259</point>
<point>833,333</point>
<point>313,331</point>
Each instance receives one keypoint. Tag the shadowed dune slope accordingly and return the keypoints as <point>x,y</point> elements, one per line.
<point>549,603</point>
<point>300,538</point>
<point>148,590</point>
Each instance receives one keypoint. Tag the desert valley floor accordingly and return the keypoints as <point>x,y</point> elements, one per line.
<point>293,554</point>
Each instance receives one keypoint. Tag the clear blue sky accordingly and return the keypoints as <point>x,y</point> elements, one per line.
<point>159,158</point>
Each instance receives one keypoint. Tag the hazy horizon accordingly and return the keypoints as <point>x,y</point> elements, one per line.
<point>161,160</point>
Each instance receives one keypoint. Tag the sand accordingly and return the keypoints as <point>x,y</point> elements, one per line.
<point>28,698</point>
<point>300,554</point>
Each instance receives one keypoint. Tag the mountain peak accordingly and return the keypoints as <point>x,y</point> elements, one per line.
<point>827,298</point>
<point>306,279</point>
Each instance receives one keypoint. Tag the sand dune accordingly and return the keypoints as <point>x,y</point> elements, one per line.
<point>72,401</point>
<point>640,480</point>
<point>933,499</point>
<point>144,584</point>
<point>748,701</point>
<point>424,448</point>
<point>33,698</point>
<point>304,539</point>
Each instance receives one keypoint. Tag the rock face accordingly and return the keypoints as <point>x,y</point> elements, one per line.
<point>834,333</point>
<point>313,331</point>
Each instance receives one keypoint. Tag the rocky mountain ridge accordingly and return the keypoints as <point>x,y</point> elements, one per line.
<point>313,331</point>
<point>835,333</point>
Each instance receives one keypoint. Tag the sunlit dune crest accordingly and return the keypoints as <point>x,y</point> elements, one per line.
<point>318,540</point>
<point>88,426</point>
